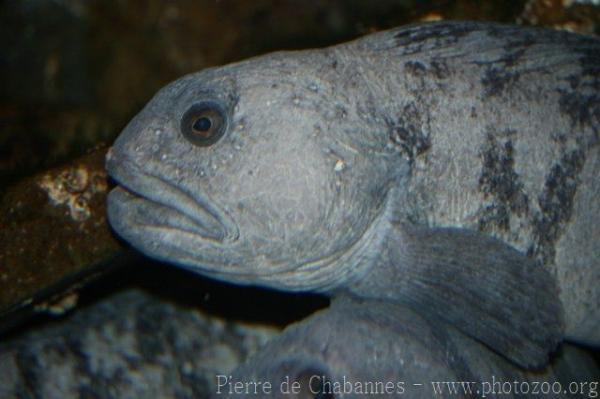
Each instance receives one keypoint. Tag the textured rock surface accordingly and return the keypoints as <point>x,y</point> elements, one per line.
<point>130,345</point>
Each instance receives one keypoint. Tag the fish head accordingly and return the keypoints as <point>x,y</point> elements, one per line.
<point>266,172</point>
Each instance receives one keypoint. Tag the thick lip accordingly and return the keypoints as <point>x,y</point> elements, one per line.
<point>209,223</point>
<point>205,219</point>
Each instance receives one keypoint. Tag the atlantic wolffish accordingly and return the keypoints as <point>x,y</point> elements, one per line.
<point>451,167</point>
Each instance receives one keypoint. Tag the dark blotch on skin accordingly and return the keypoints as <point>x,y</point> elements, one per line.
<point>556,204</point>
<point>437,67</point>
<point>496,80</point>
<point>583,109</point>
<point>410,133</point>
<point>582,102</point>
<point>498,75</point>
<point>414,40</point>
<point>500,183</point>
<point>435,31</point>
<point>517,38</point>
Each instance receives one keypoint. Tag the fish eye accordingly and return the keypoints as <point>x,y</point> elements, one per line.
<point>203,124</point>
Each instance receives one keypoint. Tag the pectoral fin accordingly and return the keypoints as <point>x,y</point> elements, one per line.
<point>484,287</point>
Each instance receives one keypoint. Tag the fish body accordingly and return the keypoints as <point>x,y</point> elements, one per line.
<point>377,348</point>
<point>451,167</point>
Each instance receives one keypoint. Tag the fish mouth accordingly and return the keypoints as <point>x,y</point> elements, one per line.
<point>167,205</point>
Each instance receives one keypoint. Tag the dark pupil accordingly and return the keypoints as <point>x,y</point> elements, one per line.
<point>202,124</point>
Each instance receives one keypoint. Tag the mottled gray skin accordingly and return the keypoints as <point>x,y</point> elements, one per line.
<point>438,165</point>
<point>380,342</point>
